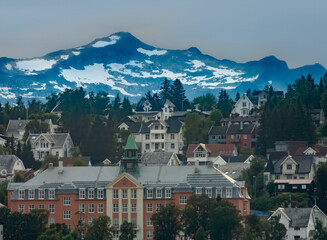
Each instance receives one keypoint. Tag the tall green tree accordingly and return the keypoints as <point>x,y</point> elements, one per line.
<point>255,228</point>
<point>277,229</point>
<point>126,231</point>
<point>100,229</point>
<point>166,222</point>
<point>321,181</point>
<point>178,95</point>
<point>206,102</point>
<point>165,89</point>
<point>225,104</point>
<point>196,128</point>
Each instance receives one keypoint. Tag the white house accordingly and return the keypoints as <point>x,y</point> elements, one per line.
<point>300,222</point>
<point>57,144</point>
<point>9,165</point>
<point>243,106</point>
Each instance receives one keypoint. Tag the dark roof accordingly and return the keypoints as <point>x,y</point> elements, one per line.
<point>69,161</point>
<point>236,129</point>
<point>241,119</point>
<point>174,126</point>
<point>299,216</point>
<point>15,125</point>
<point>235,159</point>
<point>214,150</point>
<point>218,130</point>
<point>156,158</point>
<point>275,156</point>
<point>304,164</point>
<point>7,162</point>
<point>293,146</point>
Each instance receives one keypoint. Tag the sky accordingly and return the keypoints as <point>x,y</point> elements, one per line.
<point>239,30</point>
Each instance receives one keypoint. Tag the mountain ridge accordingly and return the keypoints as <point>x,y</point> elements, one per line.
<point>121,63</point>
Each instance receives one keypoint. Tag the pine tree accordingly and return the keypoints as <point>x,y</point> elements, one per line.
<point>178,95</point>
<point>237,96</point>
<point>165,89</point>
<point>225,104</point>
<point>19,150</point>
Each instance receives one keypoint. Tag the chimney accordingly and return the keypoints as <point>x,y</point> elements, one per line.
<point>196,168</point>
<point>60,167</point>
<point>241,125</point>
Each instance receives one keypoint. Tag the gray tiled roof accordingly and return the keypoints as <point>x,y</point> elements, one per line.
<point>304,161</point>
<point>218,130</point>
<point>58,139</point>
<point>235,159</point>
<point>159,158</point>
<point>236,129</point>
<point>16,125</point>
<point>233,169</point>
<point>7,162</point>
<point>299,216</point>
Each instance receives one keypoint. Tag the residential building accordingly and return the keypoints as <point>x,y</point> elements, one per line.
<point>289,172</point>
<point>242,135</point>
<point>70,161</point>
<point>300,222</point>
<point>254,119</point>
<point>9,166</point>
<point>209,153</point>
<point>16,128</point>
<point>124,193</point>
<point>156,135</point>
<point>160,158</point>
<point>57,144</point>
<point>319,153</point>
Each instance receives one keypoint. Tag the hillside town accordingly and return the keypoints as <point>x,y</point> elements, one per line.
<point>86,166</point>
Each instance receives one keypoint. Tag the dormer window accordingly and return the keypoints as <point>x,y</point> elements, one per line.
<point>289,166</point>
<point>200,154</point>
<point>156,127</point>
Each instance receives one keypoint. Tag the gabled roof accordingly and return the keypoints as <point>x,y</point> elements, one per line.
<point>156,158</point>
<point>235,159</point>
<point>293,146</point>
<point>237,129</point>
<point>57,139</point>
<point>14,126</point>
<point>218,130</point>
<point>214,149</point>
<point>7,162</point>
<point>299,216</point>
<point>304,164</point>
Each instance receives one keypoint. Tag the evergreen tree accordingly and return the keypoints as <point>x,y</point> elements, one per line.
<point>165,89</point>
<point>225,104</point>
<point>19,150</point>
<point>127,107</point>
<point>178,95</point>
<point>28,157</point>
<point>237,96</point>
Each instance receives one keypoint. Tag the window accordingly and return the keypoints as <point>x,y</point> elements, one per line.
<point>304,186</point>
<point>124,193</point>
<point>116,193</point>
<point>294,187</point>
<point>31,194</point>
<point>245,206</point>
<point>149,193</point>
<point>162,145</point>
<point>289,166</point>
<point>209,192</point>
<point>100,194</point>
<point>200,154</point>
<point>182,200</point>
<point>149,207</point>
<point>51,208</point>
<point>147,136</point>
<point>116,234</point>
<point>116,223</point>
<point>100,207</point>
<point>82,194</point>
<point>245,136</point>
<point>228,192</point>
<point>90,220</point>
<point>296,228</point>
<point>133,193</point>
<point>66,200</point>
<point>232,136</point>
<point>134,222</point>
<point>66,214</point>
<point>218,192</point>
<point>172,136</point>
<point>41,193</point>
<point>133,207</point>
<point>168,193</point>
<point>156,127</point>
<point>281,186</point>
<point>148,221</point>
<point>125,207</point>
<point>149,234</point>
<point>21,208</point>
<point>147,146</point>
<point>159,193</point>
<point>162,136</point>
<point>156,136</point>
<point>116,207</point>
<point>31,207</point>
<point>21,194</point>
<point>91,208</point>
<point>198,191</point>
<point>91,193</point>
<point>172,145</point>
<point>243,104</point>
<point>51,221</point>
<point>51,194</point>
<point>41,206</point>
<point>81,208</point>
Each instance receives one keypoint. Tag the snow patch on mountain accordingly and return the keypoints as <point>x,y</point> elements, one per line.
<point>8,66</point>
<point>152,52</point>
<point>112,40</point>
<point>64,57</point>
<point>76,53</point>
<point>5,93</point>
<point>37,64</point>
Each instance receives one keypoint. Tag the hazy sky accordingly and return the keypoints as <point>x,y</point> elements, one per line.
<point>239,30</point>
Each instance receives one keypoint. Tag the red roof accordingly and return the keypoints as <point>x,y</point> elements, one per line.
<point>69,161</point>
<point>214,150</point>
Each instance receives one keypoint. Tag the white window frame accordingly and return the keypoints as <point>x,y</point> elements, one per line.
<point>90,208</point>
<point>168,193</point>
<point>218,192</point>
<point>81,208</point>
<point>67,214</point>
<point>31,207</point>
<point>133,207</point>
<point>21,194</point>
<point>182,200</point>
<point>149,207</point>
<point>115,207</point>
<point>52,194</point>
<point>100,193</point>
<point>149,221</point>
<point>41,193</point>
<point>41,206</point>
<point>124,207</point>
<point>198,191</point>
<point>90,194</point>
<point>124,193</point>
<point>149,193</point>
<point>229,192</point>
<point>149,234</point>
<point>31,194</point>
<point>159,193</point>
<point>209,192</point>
<point>133,193</point>
<point>21,208</point>
<point>81,193</point>
<point>52,208</point>
<point>66,201</point>
<point>100,208</point>
<point>115,193</point>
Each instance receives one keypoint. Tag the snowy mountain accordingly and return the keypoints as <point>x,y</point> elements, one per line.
<point>123,64</point>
